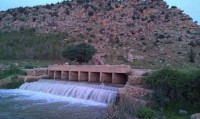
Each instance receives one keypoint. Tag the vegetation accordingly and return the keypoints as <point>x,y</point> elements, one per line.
<point>13,83</point>
<point>27,64</point>
<point>192,56</point>
<point>123,109</point>
<point>175,89</point>
<point>145,113</point>
<point>90,13</point>
<point>178,85</point>
<point>172,111</point>
<point>28,44</point>
<point>11,70</point>
<point>81,53</point>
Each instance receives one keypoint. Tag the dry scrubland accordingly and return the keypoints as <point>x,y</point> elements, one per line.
<point>144,34</point>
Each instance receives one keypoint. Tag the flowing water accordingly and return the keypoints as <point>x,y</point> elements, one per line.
<point>50,99</point>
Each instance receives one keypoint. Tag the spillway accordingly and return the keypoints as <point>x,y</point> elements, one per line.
<point>91,92</point>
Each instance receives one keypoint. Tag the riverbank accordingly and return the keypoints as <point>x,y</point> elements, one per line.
<point>136,90</point>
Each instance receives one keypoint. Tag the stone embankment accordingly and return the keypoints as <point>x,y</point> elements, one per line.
<point>134,91</point>
<point>34,74</point>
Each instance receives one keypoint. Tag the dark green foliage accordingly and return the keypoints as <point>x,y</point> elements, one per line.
<point>28,44</point>
<point>86,6</point>
<point>161,36</point>
<point>133,17</point>
<point>21,9</point>
<point>11,70</point>
<point>48,6</point>
<point>93,7</point>
<point>90,13</point>
<point>68,3</point>
<point>180,39</point>
<point>14,83</point>
<point>82,1</point>
<point>67,11</point>
<point>28,67</point>
<point>175,84</point>
<point>145,113</point>
<point>81,53</point>
<point>152,17</point>
<point>193,44</point>
<point>192,55</point>
<point>54,14</point>
<point>197,42</point>
<point>174,7</point>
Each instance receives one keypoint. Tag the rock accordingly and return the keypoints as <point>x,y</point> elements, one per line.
<point>36,72</point>
<point>195,116</point>
<point>182,112</point>
<point>66,63</point>
<point>31,78</point>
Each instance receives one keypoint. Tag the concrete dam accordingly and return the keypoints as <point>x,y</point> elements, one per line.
<point>115,74</point>
<point>85,82</point>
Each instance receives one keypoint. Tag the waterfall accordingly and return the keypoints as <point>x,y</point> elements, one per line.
<point>85,91</point>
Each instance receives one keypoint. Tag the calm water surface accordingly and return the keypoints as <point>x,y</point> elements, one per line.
<point>21,104</point>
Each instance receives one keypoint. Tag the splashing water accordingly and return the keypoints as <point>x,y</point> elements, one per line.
<point>84,91</point>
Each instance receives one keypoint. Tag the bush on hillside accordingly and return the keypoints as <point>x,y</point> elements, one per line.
<point>90,13</point>
<point>177,85</point>
<point>192,55</point>
<point>81,53</point>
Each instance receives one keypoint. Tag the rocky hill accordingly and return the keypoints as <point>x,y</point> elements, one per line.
<point>142,33</point>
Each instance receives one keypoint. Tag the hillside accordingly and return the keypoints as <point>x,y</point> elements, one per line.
<point>142,33</point>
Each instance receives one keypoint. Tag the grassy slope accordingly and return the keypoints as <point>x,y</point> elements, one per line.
<point>172,112</point>
<point>27,44</point>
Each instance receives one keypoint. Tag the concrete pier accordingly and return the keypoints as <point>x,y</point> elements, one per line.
<point>116,74</point>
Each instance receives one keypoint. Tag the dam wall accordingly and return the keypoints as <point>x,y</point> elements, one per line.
<point>115,74</point>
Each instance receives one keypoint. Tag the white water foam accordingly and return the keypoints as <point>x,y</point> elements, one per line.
<point>72,91</point>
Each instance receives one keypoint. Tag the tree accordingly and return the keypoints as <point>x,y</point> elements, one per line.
<point>90,13</point>
<point>82,52</point>
<point>192,55</point>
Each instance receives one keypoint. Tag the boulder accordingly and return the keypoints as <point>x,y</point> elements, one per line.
<point>195,116</point>
<point>182,112</point>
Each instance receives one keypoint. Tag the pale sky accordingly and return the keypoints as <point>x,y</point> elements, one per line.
<point>190,7</point>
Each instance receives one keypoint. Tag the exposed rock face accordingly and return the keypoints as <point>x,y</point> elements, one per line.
<point>141,31</point>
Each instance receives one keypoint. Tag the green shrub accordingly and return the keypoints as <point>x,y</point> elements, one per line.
<point>178,85</point>
<point>81,53</point>
<point>145,113</point>
<point>11,70</point>
<point>192,55</point>
<point>28,67</point>
<point>15,83</point>
<point>67,11</point>
<point>90,13</point>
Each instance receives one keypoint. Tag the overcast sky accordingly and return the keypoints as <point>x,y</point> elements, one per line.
<point>191,7</point>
